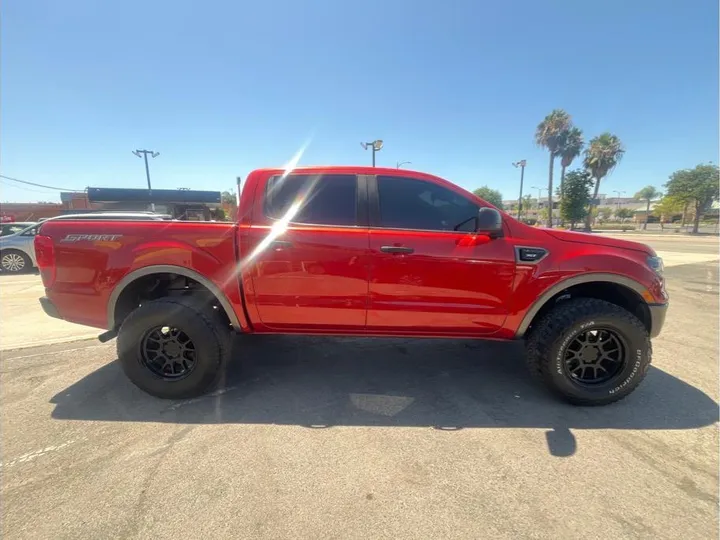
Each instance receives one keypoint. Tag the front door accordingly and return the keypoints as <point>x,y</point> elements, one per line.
<point>427,275</point>
<point>308,256</point>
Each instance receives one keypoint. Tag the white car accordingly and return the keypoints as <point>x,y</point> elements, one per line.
<point>17,251</point>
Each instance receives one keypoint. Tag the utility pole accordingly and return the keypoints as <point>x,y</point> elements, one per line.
<point>144,153</point>
<point>520,164</point>
<point>375,145</point>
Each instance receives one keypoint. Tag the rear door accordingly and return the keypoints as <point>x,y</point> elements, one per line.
<point>308,253</point>
<point>428,276</point>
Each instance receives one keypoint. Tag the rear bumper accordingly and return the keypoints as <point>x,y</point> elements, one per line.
<point>49,308</point>
<point>658,312</point>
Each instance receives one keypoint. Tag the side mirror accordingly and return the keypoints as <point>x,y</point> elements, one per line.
<point>489,222</point>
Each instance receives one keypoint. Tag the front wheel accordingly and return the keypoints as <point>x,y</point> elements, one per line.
<point>172,348</point>
<point>589,351</point>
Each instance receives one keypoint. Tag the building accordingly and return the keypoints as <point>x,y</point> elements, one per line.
<point>30,211</point>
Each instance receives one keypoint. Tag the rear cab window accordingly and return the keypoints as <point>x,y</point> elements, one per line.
<point>328,199</point>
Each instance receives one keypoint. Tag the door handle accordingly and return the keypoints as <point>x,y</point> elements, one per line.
<point>280,244</point>
<point>400,250</point>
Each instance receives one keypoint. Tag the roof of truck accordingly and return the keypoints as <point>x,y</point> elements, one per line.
<point>352,169</point>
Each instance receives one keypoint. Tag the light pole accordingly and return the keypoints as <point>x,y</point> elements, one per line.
<point>375,145</point>
<point>401,163</point>
<point>144,153</point>
<point>540,190</point>
<point>520,164</point>
<point>618,199</point>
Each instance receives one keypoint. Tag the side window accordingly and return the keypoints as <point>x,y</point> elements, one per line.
<point>30,232</point>
<point>407,203</point>
<point>322,199</point>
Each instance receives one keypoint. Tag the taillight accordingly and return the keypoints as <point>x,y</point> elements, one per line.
<point>45,257</point>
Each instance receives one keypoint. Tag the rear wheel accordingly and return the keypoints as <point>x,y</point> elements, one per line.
<point>13,261</point>
<point>589,351</point>
<point>172,348</point>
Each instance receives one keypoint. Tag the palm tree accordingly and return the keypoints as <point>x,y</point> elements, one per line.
<point>648,193</point>
<point>601,156</point>
<point>571,144</point>
<point>549,135</point>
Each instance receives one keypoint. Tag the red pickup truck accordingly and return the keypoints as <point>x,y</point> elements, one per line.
<point>357,251</point>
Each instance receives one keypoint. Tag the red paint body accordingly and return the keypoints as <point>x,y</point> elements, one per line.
<point>335,280</point>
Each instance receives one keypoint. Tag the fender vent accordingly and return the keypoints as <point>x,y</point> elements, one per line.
<point>530,254</point>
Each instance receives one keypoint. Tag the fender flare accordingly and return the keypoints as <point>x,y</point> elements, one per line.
<point>169,269</point>
<point>545,297</point>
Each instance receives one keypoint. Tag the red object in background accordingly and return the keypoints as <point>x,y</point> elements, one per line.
<point>7,219</point>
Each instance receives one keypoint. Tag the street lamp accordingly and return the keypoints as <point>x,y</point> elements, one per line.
<point>376,146</point>
<point>540,190</point>
<point>618,198</point>
<point>520,164</point>
<point>401,163</point>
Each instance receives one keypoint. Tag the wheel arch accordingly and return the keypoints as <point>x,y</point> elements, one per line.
<point>617,289</point>
<point>148,271</point>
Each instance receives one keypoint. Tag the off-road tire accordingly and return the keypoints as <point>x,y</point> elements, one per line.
<point>22,258</point>
<point>210,336</point>
<point>549,337</point>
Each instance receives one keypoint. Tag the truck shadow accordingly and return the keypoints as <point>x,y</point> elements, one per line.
<point>321,382</point>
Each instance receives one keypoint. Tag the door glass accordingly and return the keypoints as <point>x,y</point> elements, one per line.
<point>408,203</point>
<point>323,200</point>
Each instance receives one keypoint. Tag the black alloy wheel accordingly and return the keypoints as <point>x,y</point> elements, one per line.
<point>168,352</point>
<point>594,356</point>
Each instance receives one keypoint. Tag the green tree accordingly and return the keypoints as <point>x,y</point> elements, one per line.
<point>605,211</point>
<point>228,197</point>
<point>698,187</point>
<point>549,134</point>
<point>624,213</point>
<point>575,196</point>
<point>493,196</point>
<point>667,208</point>
<point>571,144</point>
<point>601,156</point>
<point>649,194</point>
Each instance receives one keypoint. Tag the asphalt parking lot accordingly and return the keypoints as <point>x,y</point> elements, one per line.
<point>360,438</point>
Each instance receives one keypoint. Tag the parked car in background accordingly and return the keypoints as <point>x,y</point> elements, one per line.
<point>17,252</point>
<point>7,229</point>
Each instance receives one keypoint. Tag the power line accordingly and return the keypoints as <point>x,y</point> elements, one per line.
<point>4,183</point>
<point>38,185</point>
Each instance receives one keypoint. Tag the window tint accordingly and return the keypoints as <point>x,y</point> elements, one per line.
<point>407,203</point>
<point>325,199</point>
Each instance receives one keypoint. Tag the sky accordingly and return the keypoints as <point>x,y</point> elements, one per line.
<point>220,88</point>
